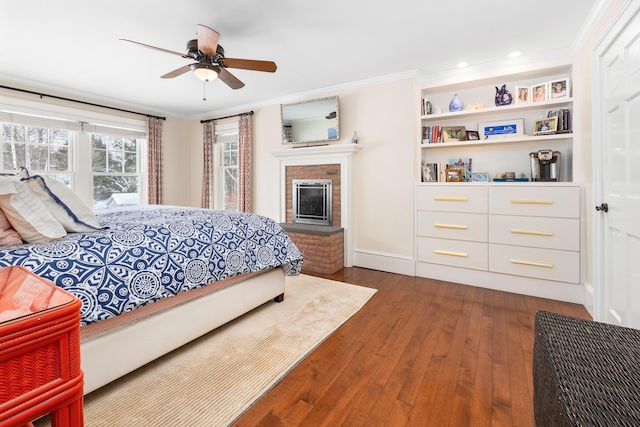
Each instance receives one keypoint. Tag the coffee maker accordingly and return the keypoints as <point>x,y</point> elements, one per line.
<point>545,165</point>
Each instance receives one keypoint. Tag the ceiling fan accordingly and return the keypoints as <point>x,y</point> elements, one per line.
<point>210,60</point>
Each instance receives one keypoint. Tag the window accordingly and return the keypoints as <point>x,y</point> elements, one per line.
<point>227,166</point>
<point>39,149</point>
<point>115,170</point>
<point>100,157</point>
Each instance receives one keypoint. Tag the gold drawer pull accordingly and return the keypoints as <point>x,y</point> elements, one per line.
<point>534,264</point>
<point>457,227</point>
<point>460,254</point>
<point>535,233</point>
<point>532,202</point>
<point>451,199</point>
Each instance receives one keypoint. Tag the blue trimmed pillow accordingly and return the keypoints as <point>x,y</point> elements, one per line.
<point>65,205</point>
<point>26,212</point>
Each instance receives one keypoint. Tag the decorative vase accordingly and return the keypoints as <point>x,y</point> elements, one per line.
<point>456,104</point>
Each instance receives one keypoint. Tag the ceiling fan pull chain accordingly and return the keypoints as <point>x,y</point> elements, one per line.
<point>204,91</point>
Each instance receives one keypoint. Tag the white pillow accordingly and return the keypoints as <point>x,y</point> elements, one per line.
<point>65,205</point>
<point>26,213</point>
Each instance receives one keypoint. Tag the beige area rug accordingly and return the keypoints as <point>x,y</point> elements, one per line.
<point>213,380</point>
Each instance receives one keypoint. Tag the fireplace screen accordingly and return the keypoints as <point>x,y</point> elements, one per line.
<point>312,201</point>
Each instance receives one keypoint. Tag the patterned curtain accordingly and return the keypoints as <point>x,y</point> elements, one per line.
<point>154,172</point>
<point>207,199</point>
<point>245,164</point>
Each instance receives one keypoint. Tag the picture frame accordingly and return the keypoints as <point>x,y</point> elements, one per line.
<point>454,133</point>
<point>480,177</point>
<point>430,172</point>
<point>501,129</point>
<point>545,126</point>
<point>523,94</point>
<point>540,92</point>
<point>465,164</point>
<point>559,88</point>
<point>472,135</point>
<point>453,174</point>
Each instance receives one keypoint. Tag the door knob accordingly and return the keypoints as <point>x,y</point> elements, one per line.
<point>603,207</point>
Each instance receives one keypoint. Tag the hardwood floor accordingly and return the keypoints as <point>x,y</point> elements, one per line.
<point>420,353</point>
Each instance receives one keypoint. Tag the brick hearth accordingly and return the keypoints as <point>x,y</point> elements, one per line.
<point>322,247</point>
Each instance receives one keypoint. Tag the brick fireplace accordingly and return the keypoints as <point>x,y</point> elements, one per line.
<point>320,244</point>
<point>312,172</point>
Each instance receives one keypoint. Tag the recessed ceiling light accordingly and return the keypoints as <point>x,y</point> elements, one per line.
<point>514,54</point>
<point>462,65</point>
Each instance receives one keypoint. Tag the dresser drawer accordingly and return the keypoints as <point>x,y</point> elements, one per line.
<point>452,198</point>
<point>548,264</point>
<point>456,253</point>
<point>453,225</point>
<point>558,202</point>
<point>539,232</point>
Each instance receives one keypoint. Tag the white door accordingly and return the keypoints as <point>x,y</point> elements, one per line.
<point>617,171</point>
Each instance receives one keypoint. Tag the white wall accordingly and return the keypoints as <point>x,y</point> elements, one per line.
<point>179,139</point>
<point>384,117</point>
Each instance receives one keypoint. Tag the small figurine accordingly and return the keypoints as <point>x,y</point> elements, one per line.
<point>503,96</point>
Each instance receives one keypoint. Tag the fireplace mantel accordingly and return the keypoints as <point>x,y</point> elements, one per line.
<point>341,154</point>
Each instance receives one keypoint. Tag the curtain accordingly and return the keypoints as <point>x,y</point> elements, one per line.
<point>208,170</point>
<point>155,167</point>
<point>245,163</point>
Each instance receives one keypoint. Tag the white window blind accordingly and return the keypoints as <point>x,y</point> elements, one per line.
<point>72,125</point>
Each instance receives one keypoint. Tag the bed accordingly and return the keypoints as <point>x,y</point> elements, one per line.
<point>153,278</point>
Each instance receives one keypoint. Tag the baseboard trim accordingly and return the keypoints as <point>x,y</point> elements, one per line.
<point>390,263</point>
<point>589,300</point>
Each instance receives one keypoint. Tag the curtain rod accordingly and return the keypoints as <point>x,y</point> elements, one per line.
<point>42,95</point>
<point>248,113</point>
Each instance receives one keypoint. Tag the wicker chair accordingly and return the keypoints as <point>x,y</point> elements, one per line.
<point>585,373</point>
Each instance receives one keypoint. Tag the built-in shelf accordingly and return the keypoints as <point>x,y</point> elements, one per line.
<point>493,141</point>
<point>503,109</point>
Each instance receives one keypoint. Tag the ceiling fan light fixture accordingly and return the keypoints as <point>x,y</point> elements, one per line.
<point>205,72</point>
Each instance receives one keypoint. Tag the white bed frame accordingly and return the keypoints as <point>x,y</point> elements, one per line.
<point>112,354</point>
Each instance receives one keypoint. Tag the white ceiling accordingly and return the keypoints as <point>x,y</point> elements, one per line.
<point>72,46</point>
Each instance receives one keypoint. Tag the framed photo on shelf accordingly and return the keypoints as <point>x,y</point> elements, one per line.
<point>559,88</point>
<point>480,177</point>
<point>523,94</point>
<point>465,164</point>
<point>454,175</point>
<point>540,92</point>
<point>472,135</point>
<point>430,172</point>
<point>545,126</point>
<point>501,129</point>
<point>454,133</point>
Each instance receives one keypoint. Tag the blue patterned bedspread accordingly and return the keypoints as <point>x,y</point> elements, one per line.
<point>152,252</point>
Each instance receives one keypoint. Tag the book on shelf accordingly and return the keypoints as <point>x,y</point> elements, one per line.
<point>426,108</point>
<point>431,134</point>
<point>564,120</point>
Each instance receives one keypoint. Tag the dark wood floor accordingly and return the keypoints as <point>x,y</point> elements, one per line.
<point>420,353</point>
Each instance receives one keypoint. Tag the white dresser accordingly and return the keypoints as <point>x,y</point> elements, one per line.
<point>523,238</point>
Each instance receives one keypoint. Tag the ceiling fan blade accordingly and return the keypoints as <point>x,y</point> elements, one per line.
<point>250,64</point>
<point>176,73</point>
<point>207,40</point>
<point>231,80</point>
<point>157,48</point>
